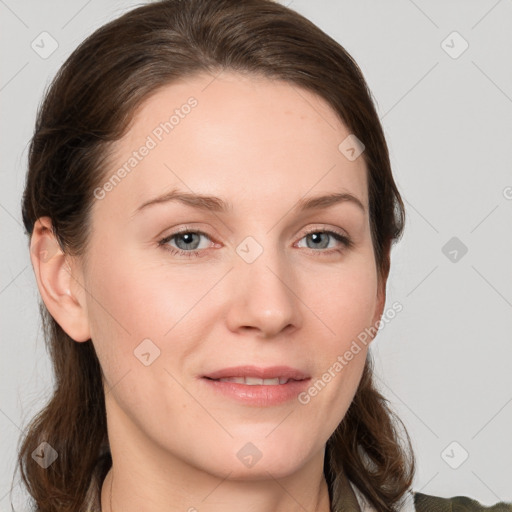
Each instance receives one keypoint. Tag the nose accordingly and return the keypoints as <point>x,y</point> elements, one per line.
<point>263,296</point>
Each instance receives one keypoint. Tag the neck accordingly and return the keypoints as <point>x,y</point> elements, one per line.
<point>131,487</point>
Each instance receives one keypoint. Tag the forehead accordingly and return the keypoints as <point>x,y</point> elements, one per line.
<point>251,139</point>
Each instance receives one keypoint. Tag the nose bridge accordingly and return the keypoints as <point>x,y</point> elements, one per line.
<point>264,297</point>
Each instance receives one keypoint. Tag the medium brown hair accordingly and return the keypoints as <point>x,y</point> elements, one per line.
<point>90,105</point>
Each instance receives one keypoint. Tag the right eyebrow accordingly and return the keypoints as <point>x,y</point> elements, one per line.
<point>199,201</point>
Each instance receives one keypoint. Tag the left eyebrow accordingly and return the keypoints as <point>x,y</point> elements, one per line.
<point>216,204</point>
<point>326,201</point>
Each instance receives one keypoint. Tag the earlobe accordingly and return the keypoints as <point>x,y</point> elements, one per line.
<point>60,290</point>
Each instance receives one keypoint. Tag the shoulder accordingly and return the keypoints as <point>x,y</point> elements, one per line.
<point>428,503</point>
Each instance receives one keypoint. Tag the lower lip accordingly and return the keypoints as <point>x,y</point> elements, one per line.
<point>259,395</point>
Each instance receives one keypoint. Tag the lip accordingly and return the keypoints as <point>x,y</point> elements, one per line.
<point>258,395</point>
<point>270,372</point>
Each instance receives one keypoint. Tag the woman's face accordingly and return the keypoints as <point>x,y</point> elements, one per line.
<point>248,286</point>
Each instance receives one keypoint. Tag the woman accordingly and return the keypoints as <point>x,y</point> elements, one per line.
<point>211,208</point>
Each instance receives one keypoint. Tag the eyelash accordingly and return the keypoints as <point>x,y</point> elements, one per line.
<point>199,253</point>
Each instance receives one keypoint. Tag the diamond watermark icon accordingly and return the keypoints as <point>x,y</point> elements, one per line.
<point>44,45</point>
<point>45,455</point>
<point>146,352</point>
<point>47,249</point>
<point>249,249</point>
<point>351,147</point>
<point>454,455</point>
<point>454,45</point>
<point>249,454</point>
<point>454,249</point>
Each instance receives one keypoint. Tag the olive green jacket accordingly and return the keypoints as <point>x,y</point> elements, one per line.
<point>354,501</point>
<point>426,503</point>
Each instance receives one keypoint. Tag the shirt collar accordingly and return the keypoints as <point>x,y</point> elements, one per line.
<point>406,504</point>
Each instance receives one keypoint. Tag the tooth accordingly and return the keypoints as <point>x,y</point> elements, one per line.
<point>237,380</point>
<point>253,381</point>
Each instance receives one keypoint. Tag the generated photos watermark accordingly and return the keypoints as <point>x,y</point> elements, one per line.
<point>342,360</point>
<point>156,136</point>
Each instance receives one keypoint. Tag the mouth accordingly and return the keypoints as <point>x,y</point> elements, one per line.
<point>258,376</point>
<point>257,386</point>
<point>255,381</point>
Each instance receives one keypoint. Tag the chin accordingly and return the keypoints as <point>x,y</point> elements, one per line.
<point>261,470</point>
<point>261,458</point>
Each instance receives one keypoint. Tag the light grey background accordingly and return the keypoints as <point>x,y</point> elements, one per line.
<point>444,362</point>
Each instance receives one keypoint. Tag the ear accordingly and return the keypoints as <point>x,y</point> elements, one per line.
<point>61,290</point>
<point>380,303</point>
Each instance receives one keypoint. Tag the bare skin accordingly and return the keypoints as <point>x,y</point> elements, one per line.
<point>262,145</point>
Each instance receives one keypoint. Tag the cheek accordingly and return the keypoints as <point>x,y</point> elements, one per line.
<point>345,300</point>
<point>124,307</point>
<point>131,300</point>
<point>137,300</point>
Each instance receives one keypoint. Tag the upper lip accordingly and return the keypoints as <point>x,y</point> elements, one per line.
<point>270,372</point>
